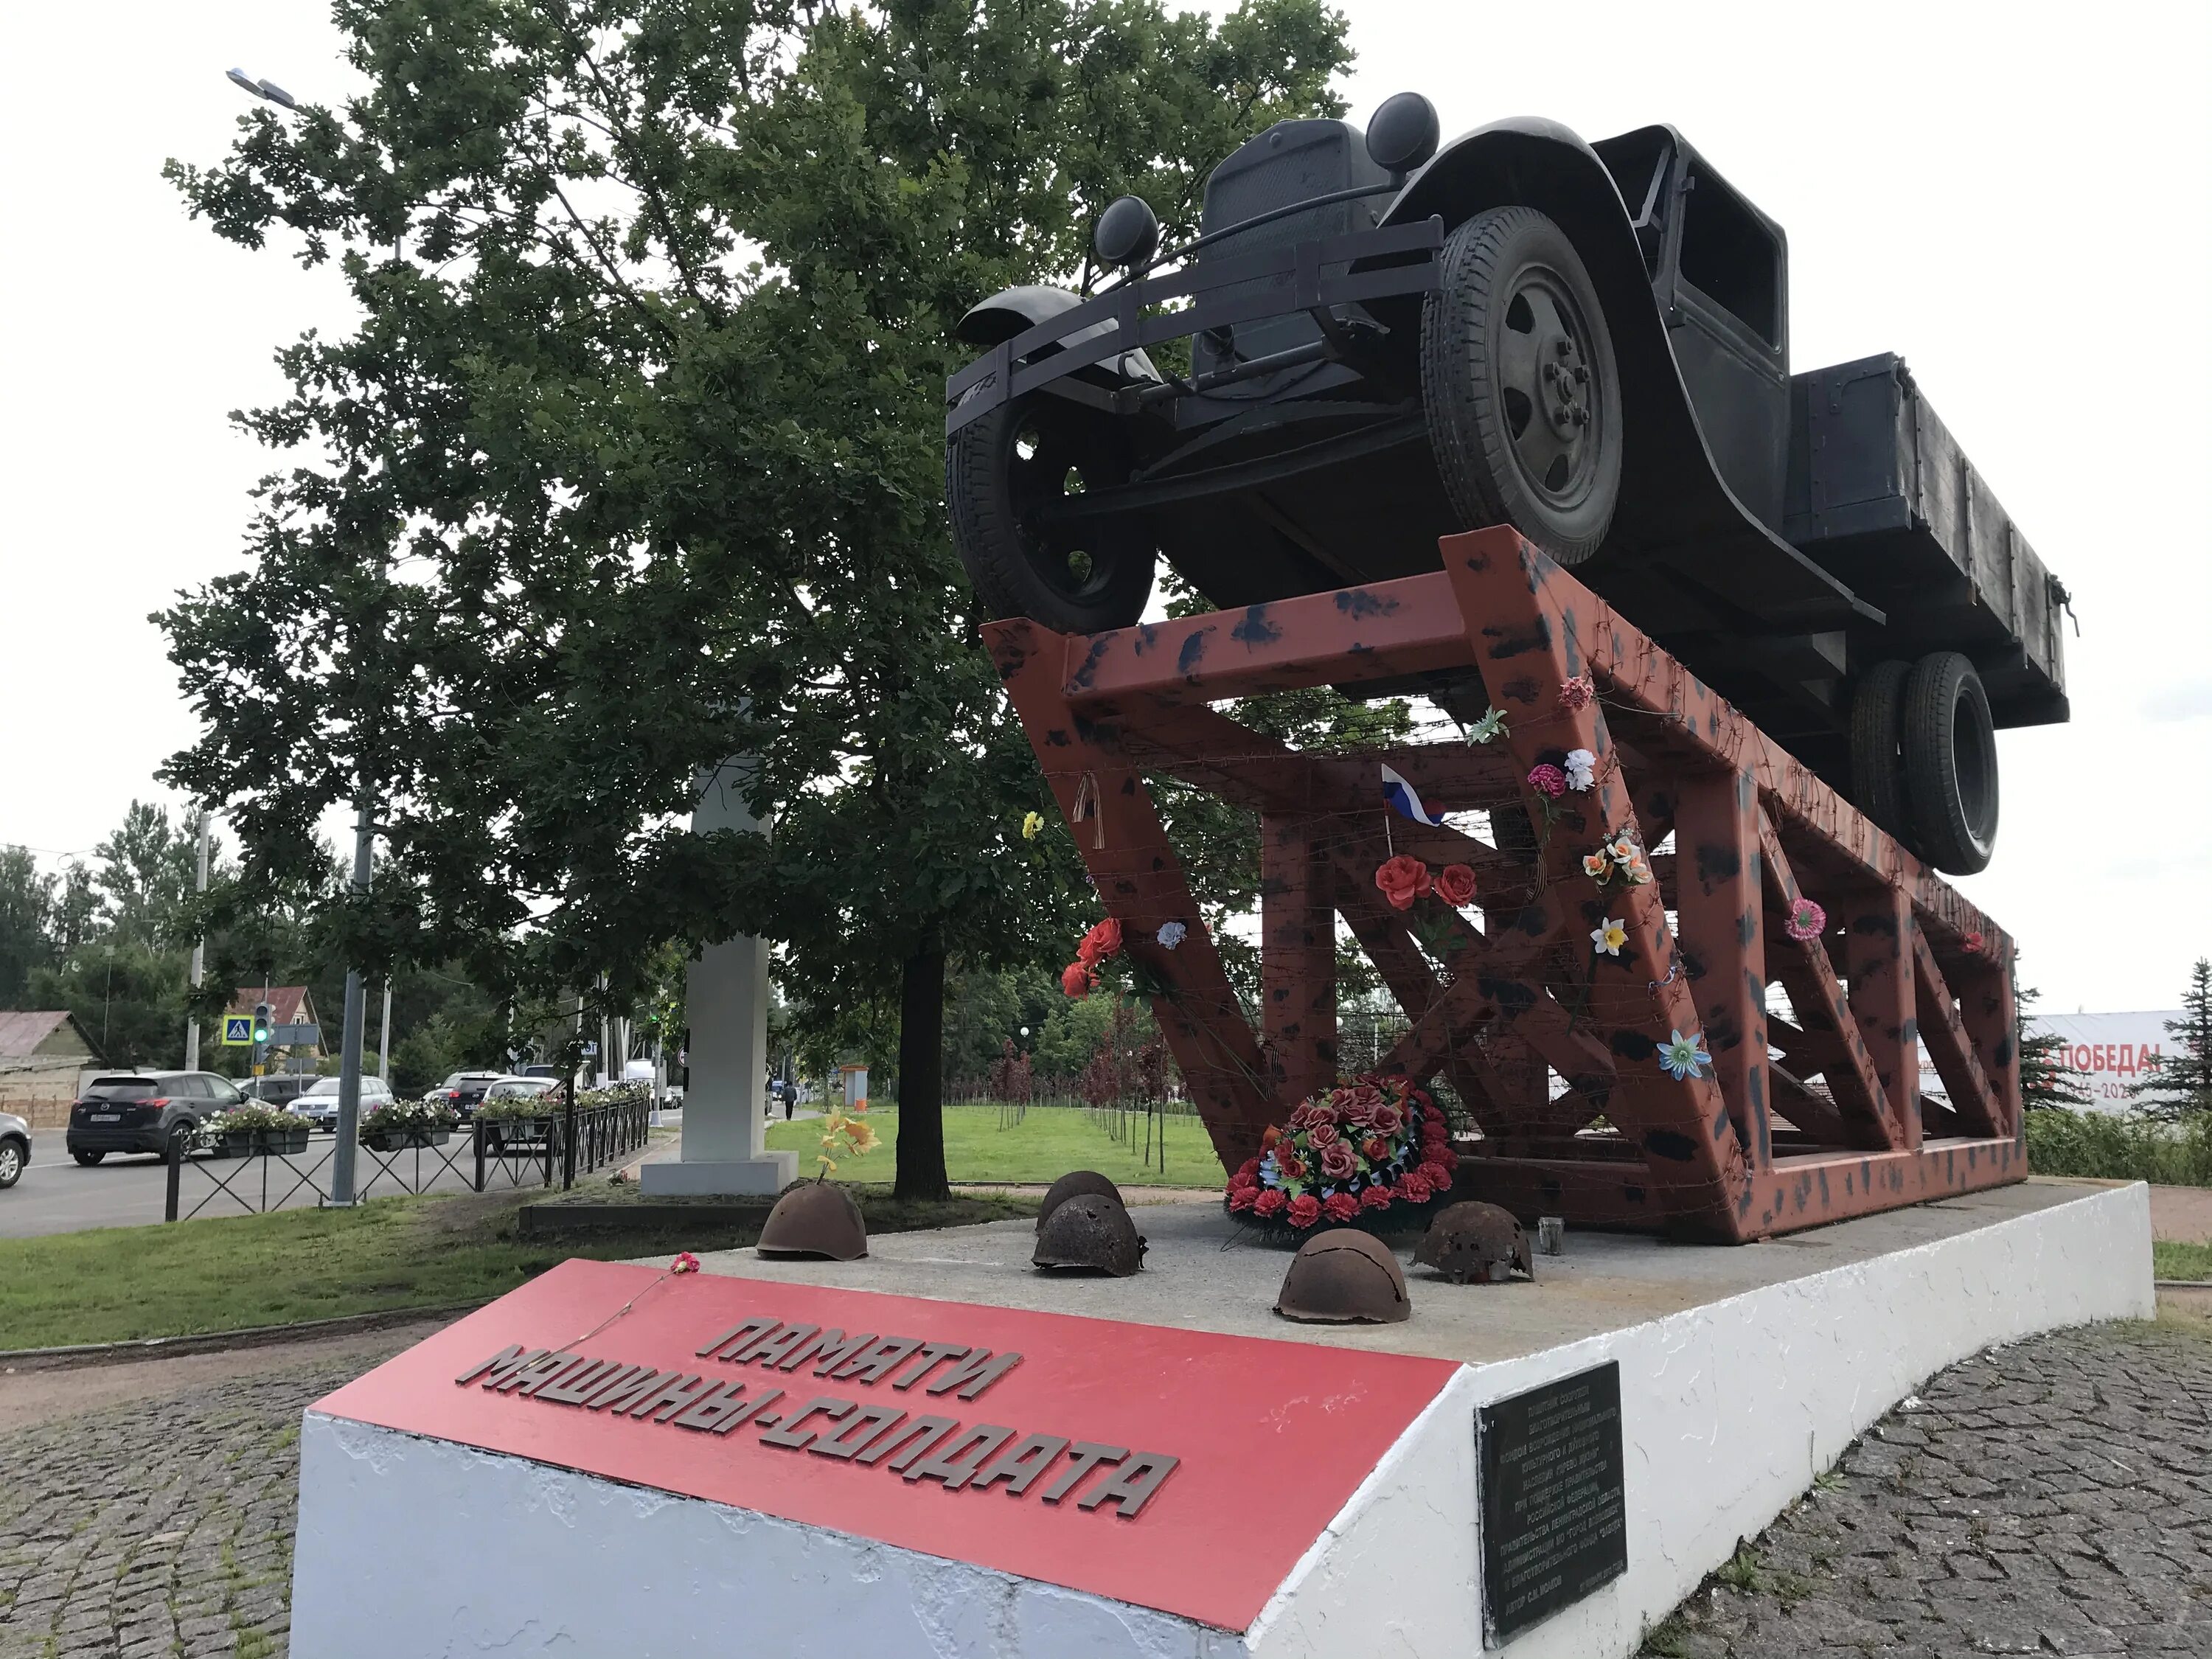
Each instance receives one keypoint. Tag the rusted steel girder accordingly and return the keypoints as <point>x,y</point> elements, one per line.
<point>1741,1145</point>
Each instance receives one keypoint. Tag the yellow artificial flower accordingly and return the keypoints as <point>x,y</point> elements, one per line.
<point>1031,823</point>
<point>828,1165</point>
<point>862,1137</point>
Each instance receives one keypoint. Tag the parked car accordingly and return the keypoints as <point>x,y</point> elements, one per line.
<point>281,1089</point>
<point>553,1071</point>
<point>1393,341</point>
<point>517,1086</point>
<point>462,1090</point>
<point>319,1104</point>
<point>143,1112</point>
<point>15,1148</point>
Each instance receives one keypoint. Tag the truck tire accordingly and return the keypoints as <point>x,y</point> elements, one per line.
<point>1519,384</point>
<point>1877,736</point>
<point>999,471</point>
<point>1950,747</point>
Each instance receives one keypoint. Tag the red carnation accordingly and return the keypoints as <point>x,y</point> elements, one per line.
<point>1075,980</point>
<point>1338,1161</point>
<point>1339,1207</point>
<point>1544,778</point>
<point>1435,1174</point>
<point>1376,1198</point>
<point>1249,1169</point>
<point>1405,878</point>
<point>1304,1211</point>
<point>1445,1156</point>
<point>1241,1199</point>
<point>1413,1189</point>
<point>1270,1202</point>
<point>1456,885</point>
<point>1321,1135</point>
<point>1376,1149</point>
<point>1103,940</point>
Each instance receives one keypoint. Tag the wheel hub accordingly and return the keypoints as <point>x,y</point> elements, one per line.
<point>1564,386</point>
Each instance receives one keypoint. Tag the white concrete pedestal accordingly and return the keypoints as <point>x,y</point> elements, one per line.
<point>726,1005</point>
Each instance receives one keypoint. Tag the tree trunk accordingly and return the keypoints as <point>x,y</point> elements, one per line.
<point>920,1170</point>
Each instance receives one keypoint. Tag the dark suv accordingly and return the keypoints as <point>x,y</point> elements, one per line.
<point>144,1112</point>
<point>464,1091</point>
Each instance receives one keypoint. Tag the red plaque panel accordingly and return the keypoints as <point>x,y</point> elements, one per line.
<point>1172,1469</point>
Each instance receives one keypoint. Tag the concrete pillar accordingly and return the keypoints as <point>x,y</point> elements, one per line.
<point>726,1004</point>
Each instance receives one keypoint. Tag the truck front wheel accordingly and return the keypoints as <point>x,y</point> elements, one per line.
<point>1006,474</point>
<point>1519,385</point>
<point>1950,748</point>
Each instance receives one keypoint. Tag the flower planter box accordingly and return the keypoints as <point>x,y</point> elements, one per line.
<point>516,1133</point>
<point>251,1143</point>
<point>400,1140</point>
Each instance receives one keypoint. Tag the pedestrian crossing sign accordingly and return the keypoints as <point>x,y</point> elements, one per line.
<point>238,1030</point>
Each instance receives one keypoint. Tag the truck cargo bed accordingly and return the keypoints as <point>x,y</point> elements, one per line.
<point>1880,495</point>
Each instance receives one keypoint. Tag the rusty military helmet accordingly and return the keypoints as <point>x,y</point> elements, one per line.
<point>1477,1242</point>
<point>1091,1230</point>
<point>1344,1277</point>
<point>1075,1184</point>
<point>815,1217</point>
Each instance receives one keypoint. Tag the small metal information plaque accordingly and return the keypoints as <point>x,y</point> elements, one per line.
<point>1554,1521</point>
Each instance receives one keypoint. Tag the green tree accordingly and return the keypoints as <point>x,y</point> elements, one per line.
<point>2177,1084</point>
<point>27,908</point>
<point>633,463</point>
<point>2046,1079</point>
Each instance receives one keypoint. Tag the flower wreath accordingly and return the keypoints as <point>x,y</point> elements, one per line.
<point>1374,1153</point>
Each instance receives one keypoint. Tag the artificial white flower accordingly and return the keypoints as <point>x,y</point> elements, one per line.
<point>1490,727</point>
<point>1581,767</point>
<point>1609,936</point>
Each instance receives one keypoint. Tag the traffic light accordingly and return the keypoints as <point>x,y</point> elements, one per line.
<point>262,1022</point>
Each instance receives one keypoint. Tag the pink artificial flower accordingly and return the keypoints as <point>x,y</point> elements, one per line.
<point>1544,778</point>
<point>684,1263</point>
<point>1338,1162</point>
<point>1385,1119</point>
<point>1976,943</point>
<point>1576,693</point>
<point>1456,885</point>
<point>1405,878</point>
<point>1807,921</point>
<point>1323,1136</point>
<point>1075,980</point>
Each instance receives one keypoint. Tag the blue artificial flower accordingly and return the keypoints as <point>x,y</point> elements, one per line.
<point>1682,1058</point>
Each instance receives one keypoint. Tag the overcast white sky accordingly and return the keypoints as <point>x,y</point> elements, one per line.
<point>2017,206</point>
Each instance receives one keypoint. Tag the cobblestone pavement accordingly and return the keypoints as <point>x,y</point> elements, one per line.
<point>2054,1497</point>
<point>163,1527</point>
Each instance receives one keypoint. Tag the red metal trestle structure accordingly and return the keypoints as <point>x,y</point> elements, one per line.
<point>1553,1047</point>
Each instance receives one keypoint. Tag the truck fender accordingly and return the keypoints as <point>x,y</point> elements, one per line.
<point>1670,489</point>
<point>1011,310</point>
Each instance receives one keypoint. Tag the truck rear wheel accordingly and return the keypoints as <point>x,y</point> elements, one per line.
<point>1002,474</point>
<point>1950,749</point>
<point>1519,384</point>
<point>1877,732</point>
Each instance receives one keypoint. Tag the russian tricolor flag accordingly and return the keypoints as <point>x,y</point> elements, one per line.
<point>1408,799</point>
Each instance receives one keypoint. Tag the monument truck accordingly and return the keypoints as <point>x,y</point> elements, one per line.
<point>1375,342</point>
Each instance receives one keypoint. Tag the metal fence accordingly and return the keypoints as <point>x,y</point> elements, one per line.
<point>484,1156</point>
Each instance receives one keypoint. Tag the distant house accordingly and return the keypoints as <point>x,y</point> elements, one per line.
<point>44,1057</point>
<point>288,1004</point>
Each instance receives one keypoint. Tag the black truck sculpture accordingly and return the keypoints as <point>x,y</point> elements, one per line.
<point>1390,342</point>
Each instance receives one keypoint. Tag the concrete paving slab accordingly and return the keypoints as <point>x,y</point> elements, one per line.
<point>1203,1272</point>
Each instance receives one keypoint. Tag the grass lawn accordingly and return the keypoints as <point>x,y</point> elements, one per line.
<point>112,1283</point>
<point>1049,1142</point>
<point>2174,1258</point>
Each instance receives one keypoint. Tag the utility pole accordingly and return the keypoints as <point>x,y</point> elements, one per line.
<point>199,959</point>
<point>356,1000</point>
<point>384,1044</point>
